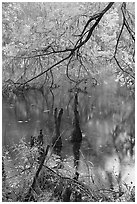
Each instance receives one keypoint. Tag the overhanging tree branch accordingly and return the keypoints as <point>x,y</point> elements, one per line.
<point>78,44</point>
<point>47,70</point>
<point>94,26</point>
<point>125,23</point>
<point>131,33</point>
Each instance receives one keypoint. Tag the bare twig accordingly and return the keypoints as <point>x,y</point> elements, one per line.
<point>122,68</point>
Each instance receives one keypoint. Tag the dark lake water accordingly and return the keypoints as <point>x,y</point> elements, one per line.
<point>25,116</point>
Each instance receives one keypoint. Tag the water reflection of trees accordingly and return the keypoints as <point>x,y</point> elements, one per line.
<point>106,119</point>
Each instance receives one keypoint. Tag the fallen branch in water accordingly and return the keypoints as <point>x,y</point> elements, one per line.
<point>28,196</point>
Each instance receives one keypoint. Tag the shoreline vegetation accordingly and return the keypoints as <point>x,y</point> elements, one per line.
<point>50,180</point>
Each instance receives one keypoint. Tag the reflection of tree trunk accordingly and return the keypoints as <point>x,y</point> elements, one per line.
<point>110,179</point>
<point>52,106</point>
<point>21,108</point>
<point>46,100</point>
<point>115,135</point>
<point>57,141</point>
<point>132,143</point>
<point>70,97</point>
<point>76,152</point>
<point>76,134</point>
